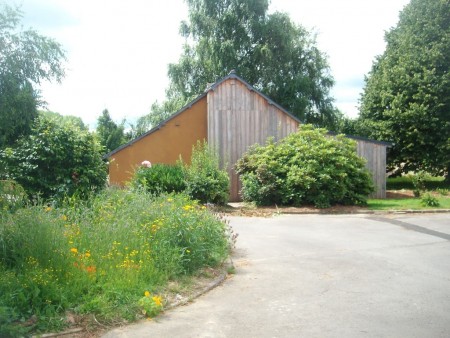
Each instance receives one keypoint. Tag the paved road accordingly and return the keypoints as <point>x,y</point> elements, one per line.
<point>325,276</point>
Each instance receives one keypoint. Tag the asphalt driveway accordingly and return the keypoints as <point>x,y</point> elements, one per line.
<point>324,276</point>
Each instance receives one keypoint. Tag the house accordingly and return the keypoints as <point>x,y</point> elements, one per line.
<point>231,115</point>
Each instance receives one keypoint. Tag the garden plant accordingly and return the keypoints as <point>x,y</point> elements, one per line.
<point>202,179</point>
<point>307,167</point>
<point>109,256</point>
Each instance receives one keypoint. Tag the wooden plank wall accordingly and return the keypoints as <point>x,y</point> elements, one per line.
<point>375,154</point>
<point>239,118</point>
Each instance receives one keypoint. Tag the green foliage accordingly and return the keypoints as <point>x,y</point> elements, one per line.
<point>202,179</point>
<point>12,196</point>
<point>26,58</point>
<point>110,134</point>
<point>406,98</point>
<point>151,306</point>
<point>418,181</point>
<point>406,182</point>
<point>277,56</point>
<point>443,192</point>
<point>69,120</point>
<point>55,161</point>
<point>429,200</point>
<point>100,256</point>
<point>205,181</point>
<point>159,178</point>
<point>307,167</point>
<point>17,109</point>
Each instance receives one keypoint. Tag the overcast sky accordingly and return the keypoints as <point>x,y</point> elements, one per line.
<point>118,51</point>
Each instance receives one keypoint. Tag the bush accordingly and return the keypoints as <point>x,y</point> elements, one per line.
<point>55,161</point>
<point>12,196</point>
<point>202,180</point>
<point>159,178</point>
<point>205,181</point>
<point>101,256</point>
<point>429,200</point>
<point>307,167</point>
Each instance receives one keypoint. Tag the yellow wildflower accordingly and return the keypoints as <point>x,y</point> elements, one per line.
<point>87,254</point>
<point>74,250</point>
<point>147,293</point>
<point>64,217</point>
<point>47,209</point>
<point>157,300</point>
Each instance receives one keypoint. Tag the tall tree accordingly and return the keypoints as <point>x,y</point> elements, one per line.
<point>272,53</point>
<point>64,119</point>
<point>406,98</point>
<point>26,58</point>
<point>111,134</point>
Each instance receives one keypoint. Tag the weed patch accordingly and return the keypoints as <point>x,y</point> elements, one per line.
<point>101,257</point>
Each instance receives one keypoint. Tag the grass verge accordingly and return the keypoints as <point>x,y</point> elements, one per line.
<point>406,204</point>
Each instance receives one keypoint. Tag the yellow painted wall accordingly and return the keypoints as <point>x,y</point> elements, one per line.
<point>164,145</point>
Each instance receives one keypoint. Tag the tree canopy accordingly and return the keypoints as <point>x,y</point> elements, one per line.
<point>406,98</point>
<point>275,55</point>
<point>26,59</point>
<point>111,135</point>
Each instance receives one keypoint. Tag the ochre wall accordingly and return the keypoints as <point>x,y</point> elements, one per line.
<point>164,145</point>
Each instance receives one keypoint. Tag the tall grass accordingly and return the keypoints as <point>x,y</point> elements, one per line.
<point>99,256</point>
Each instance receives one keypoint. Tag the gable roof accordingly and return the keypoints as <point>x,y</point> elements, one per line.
<point>159,126</point>
<point>231,75</point>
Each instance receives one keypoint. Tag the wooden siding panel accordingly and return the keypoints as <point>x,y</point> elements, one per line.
<point>375,155</point>
<point>238,118</point>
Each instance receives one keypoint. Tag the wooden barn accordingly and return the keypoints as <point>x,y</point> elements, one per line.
<point>230,115</point>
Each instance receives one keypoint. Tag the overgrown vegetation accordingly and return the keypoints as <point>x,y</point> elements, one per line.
<point>202,179</point>
<point>307,167</point>
<point>159,178</point>
<point>109,256</point>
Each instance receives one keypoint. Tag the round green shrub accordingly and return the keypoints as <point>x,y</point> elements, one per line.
<point>307,167</point>
<point>55,161</point>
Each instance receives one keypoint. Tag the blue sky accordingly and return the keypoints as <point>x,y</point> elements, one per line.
<point>118,51</point>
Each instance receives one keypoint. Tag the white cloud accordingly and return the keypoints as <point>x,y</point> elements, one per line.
<point>118,51</point>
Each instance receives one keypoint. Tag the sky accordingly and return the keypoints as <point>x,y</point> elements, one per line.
<point>118,51</point>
